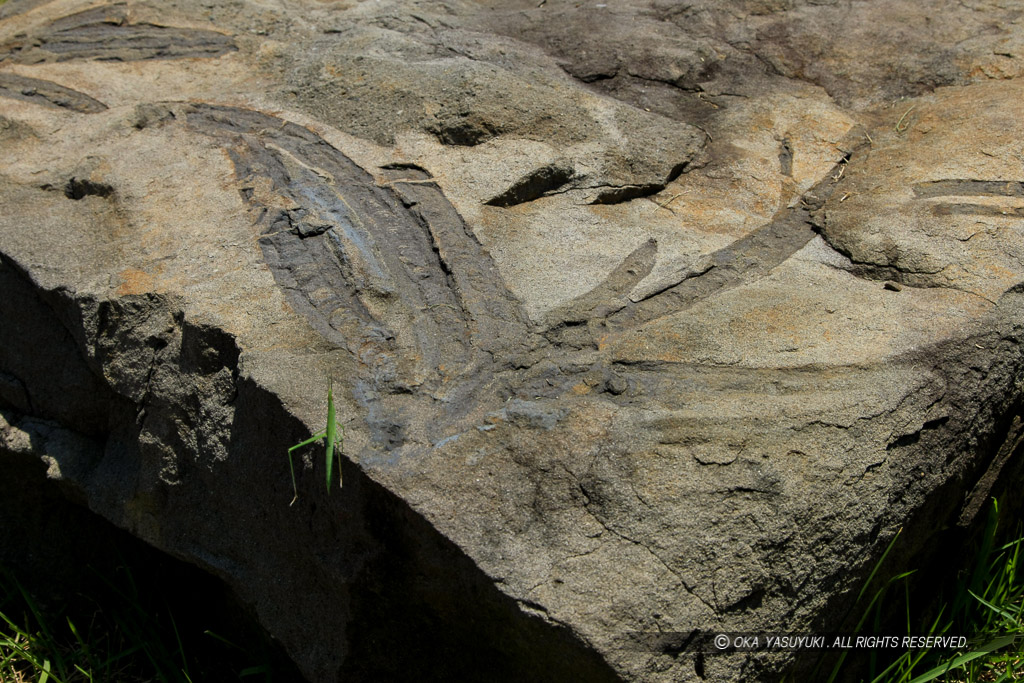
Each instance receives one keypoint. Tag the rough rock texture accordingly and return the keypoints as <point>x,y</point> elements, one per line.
<point>643,317</point>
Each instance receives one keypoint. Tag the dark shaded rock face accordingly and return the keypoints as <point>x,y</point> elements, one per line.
<point>642,318</point>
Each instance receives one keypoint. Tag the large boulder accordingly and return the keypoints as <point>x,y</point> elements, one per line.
<point>641,318</point>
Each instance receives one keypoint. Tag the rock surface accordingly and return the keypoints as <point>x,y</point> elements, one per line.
<point>643,317</point>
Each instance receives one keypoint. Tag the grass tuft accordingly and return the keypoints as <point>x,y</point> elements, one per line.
<point>114,635</point>
<point>988,609</point>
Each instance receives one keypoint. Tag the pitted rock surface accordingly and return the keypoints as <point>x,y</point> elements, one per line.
<point>642,318</point>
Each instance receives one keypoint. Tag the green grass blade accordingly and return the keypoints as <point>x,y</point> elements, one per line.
<point>83,643</point>
<point>113,659</point>
<point>331,433</point>
<point>47,636</point>
<point>884,677</point>
<point>37,614</point>
<point>181,646</point>
<point>10,622</point>
<point>992,607</point>
<point>981,567</point>
<point>877,566</point>
<point>130,642</point>
<point>12,649</point>
<point>254,671</point>
<point>842,657</point>
<point>222,639</point>
<point>880,593</point>
<point>991,646</point>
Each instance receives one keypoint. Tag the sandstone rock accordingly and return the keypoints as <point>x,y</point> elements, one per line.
<point>643,319</point>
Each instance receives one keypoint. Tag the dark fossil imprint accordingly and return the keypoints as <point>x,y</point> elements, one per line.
<point>48,94</point>
<point>107,33</point>
<point>1013,189</point>
<point>385,267</point>
<point>362,260</point>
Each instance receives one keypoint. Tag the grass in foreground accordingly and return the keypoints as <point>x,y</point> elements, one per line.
<point>115,636</point>
<point>987,606</point>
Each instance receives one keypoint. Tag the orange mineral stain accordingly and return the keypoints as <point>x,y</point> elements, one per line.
<point>134,281</point>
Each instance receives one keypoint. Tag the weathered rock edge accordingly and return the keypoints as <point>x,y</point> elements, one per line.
<point>727,447</point>
<point>123,402</point>
<point>395,595</point>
